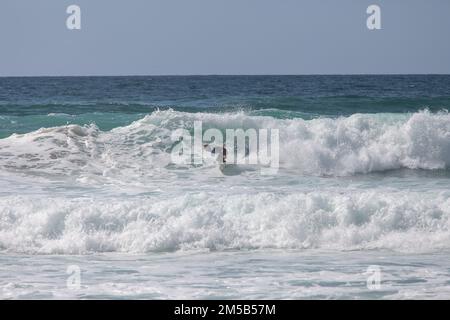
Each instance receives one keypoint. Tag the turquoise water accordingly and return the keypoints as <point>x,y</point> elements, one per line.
<point>86,179</point>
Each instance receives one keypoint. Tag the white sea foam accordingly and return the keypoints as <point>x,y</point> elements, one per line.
<point>343,146</point>
<point>404,221</point>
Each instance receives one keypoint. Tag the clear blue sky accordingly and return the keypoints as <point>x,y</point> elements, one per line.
<point>148,37</point>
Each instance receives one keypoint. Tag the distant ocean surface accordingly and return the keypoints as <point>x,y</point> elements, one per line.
<point>86,179</point>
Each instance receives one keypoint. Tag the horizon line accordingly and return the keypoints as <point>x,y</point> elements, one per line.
<point>225,75</point>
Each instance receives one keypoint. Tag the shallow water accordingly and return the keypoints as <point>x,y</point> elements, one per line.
<point>269,274</point>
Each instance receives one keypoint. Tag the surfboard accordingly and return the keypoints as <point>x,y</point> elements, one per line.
<point>235,169</point>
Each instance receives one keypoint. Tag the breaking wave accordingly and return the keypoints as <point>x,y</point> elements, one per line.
<point>402,221</point>
<point>361,143</point>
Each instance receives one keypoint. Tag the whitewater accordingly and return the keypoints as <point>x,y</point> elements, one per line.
<point>118,191</point>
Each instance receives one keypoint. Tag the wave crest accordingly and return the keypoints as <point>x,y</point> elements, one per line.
<point>361,143</point>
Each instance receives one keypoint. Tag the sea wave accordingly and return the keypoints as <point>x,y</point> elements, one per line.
<point>400,221</point>
<point>361,143</point>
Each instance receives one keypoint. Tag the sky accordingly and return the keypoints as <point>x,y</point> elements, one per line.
<point>197,37</point>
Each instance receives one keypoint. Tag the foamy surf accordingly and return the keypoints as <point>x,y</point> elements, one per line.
<point>361,143</point>
<point>117,191</point>
<point>401,221</point>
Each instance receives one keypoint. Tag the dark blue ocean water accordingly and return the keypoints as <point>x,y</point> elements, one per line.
<point>104,99</point>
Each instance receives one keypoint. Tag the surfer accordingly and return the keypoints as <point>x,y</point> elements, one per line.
<point>224,154</point>
<point>217,150</point>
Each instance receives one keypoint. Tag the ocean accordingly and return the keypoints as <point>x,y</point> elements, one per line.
<point>359,207</point>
